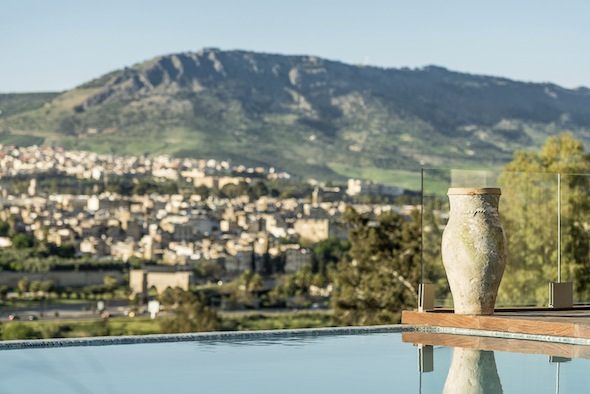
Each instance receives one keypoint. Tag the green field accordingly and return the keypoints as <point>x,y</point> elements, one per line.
<point>116,326</point>
<point>406,179</point>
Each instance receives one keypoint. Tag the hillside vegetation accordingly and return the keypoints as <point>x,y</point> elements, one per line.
<point>303,114</point>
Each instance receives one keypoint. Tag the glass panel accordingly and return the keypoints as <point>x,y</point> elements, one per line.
<point>529,214</point>
<point>575,235</point>
<point>528,209</point>
<point>436,210</point>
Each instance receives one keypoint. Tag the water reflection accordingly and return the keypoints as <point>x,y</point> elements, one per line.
<point>473,371</point>
<point>470,364</point>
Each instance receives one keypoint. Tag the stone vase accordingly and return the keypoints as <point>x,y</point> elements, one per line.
<point>474,249</point>
<point>472,371</point>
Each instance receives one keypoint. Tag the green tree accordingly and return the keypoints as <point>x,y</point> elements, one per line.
<point>252,281</point>
<point>258,190</point>
<point>66,251</point>
<point>243,291</point>
<point>432,231</point>
<point>232,191</point>
<point>22,241</point>
<point>331,250</point>
<point>3,291</point>
<point>169,296</point>
<point>110,284</point>
<point>4,228</point>
<point>23,285</point>
<point>207,269</point>
<point>16,330</point>
<point>189,314</point>
<point>326,254</point>
<point>36,264</point>
<point>529,213</point>
<point>138,262</point>
<point>296,286</point>
<point>380,276</point>
<point>35,286</point>
<point>253,259</point>
<point>47,286</point>
<point>268,266</point>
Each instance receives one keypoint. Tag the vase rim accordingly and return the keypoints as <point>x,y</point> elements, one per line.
<point>470,191</point>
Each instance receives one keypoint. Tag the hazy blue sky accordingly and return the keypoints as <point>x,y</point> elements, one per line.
<point>59,44</point>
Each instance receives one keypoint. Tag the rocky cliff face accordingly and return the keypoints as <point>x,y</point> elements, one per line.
<point>323,88</point>
<point>312,114</point>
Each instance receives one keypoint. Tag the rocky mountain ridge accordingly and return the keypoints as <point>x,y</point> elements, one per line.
<point>304,114</point>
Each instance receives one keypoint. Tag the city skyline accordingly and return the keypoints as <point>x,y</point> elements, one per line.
<point>58,46</point>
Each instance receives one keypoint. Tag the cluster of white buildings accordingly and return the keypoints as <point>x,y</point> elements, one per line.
<point>174,230</point>
<point>89,165</point>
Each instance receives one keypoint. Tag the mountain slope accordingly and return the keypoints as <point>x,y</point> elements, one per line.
<point>304,114</point>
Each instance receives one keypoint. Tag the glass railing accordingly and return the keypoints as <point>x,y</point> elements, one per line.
<point>546,218</point>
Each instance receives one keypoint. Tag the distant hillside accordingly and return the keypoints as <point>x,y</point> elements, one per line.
<point>307,115</point>
<point>14,103</point>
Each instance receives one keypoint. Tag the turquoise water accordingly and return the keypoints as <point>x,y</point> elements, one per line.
<point>362,363</point>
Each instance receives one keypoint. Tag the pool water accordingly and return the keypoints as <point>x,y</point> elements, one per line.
<point>360,363</point>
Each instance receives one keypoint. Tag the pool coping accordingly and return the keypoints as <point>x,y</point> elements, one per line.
<point>568,325</point>
<point>201,336</point>
<point>501,335</point>
<point>271,334</point>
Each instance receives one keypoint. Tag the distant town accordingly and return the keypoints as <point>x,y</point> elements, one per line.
<point>152,223</point>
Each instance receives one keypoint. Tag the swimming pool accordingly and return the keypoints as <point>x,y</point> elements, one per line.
<point>295,361</point>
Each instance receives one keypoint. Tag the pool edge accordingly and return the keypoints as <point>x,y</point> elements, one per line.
<point>270,334</point>
<point>200,336</point>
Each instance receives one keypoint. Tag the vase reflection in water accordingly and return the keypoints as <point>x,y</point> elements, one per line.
<point>473,371</point>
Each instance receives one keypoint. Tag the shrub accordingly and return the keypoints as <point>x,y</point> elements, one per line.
<point>15,330</point>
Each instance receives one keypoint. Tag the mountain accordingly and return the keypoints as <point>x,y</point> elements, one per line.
<point>303,114</point>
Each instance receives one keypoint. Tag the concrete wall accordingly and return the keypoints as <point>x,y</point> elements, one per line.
<point>316,230</point>
<point>61,278</point>
<point>313,230</point>
<point>160,280</point>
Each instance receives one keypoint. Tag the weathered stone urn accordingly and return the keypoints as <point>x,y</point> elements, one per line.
<point>472,371</point>
<point>474,249</point>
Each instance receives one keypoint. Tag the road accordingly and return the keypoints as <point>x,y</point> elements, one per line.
<point>88,310</point>
<point>83,310</point>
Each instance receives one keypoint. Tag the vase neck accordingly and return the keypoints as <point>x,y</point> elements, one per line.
<point>474,203</point>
